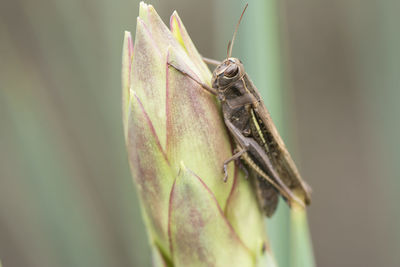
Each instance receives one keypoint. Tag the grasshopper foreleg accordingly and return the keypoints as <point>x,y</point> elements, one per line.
<point>205,86</point>
<point>211,61</point>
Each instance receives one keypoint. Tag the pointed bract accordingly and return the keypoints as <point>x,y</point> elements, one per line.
<point>180,33</point>
<point>127,55</point>
<point>200,235</point>
<point>150,169</point>
<point>196,131</point>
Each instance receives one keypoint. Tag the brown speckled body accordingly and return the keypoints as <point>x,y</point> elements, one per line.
<point>255,134</point>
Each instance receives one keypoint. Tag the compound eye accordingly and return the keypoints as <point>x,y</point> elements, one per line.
<point>231,71</point>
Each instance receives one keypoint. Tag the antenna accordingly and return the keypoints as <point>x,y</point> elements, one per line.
<point>230,45</point>
<point>228,50</point>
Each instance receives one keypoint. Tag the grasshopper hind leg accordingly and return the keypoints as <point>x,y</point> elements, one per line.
<point>267,194</point>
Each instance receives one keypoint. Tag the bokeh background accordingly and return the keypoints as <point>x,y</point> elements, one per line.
<point>329,72</point>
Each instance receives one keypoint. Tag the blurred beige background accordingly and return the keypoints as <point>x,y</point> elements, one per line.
<point>66,196</point>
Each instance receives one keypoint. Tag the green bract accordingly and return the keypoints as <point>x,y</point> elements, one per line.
<point>177,143</point>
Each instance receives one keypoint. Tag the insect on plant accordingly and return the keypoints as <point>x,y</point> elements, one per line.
<point>258,143</point>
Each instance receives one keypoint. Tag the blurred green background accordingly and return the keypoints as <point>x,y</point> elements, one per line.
<point>329,71</point>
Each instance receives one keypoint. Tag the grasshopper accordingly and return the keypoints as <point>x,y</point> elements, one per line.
<point>258,143</point>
